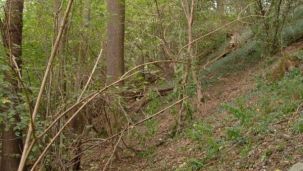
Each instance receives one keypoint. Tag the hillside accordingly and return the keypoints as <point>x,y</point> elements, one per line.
<point>134,85</point>
<point>246,124</point>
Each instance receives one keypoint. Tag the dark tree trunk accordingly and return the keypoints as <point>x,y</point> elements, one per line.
<point>115,39</point>
<point>12,40</point>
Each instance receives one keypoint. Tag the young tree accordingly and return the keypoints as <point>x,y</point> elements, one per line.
<point>115,39</point>
<point>12,41</point>
<point>220,7</point>
<point>188,8</point>
<point>78,123</point>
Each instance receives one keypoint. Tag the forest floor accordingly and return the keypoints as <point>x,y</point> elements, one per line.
<point>175,153</point>
<point>276,149</point>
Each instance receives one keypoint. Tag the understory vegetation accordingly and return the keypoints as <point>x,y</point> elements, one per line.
<point>151,85</point>
<point>270,110</point>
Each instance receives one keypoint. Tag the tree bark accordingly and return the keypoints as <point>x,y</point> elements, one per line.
<point>220,7</point>
<point>12,40</point>
<point>83,58</point>
<point>115,39</point>
<point>60,85</point>
<point>78,124</point>
<point>168,68</point>
<point>189,8</point>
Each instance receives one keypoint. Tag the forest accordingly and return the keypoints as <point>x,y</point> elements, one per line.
<point>153,85</point>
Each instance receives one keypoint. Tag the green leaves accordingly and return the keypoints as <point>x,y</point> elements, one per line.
<point>298,126</point>
<point>241,112</point>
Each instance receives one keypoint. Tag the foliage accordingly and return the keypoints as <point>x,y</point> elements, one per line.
<point>253,115</point>
<point>155,30</point>
<point>195,164</point>
<point>298,126</point>
<point>274,101</point>
<point>202,133</point>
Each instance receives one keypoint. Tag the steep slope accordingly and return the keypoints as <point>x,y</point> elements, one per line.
<point>247,124</point>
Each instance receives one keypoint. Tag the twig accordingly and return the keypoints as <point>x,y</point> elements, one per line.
<point>129,120</point>
<point>87,99</point>
<point>59,132</point>
<point>43,83</point>
<point>132,126</point>
<point>98,92</point>
<point>149,63</point>
<point>114,151</point>
<point>143,120</point>
<point>91,75</point>
<point>215,59</point>
<point>124,77</point>
<point>219,28</point>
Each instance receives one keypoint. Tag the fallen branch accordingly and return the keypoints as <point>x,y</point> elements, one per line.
<point>139,94</point>
<point>222,55</point>
<point>144,99</point>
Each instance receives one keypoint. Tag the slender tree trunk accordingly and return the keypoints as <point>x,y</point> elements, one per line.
<point>83,57</point>
<point>220,7</point>
<point>168,68</point>
<point>189,8</point>
<point>140,61</point>
<point>60,84</point>
<point>115,54</point>
<point>115,39</point>
<point>56,88</point>
<point>12,40</point>
<point>78,123</point>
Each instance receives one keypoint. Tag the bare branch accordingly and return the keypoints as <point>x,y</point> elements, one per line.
<point>114,150</point>
<point>91,75</point>
<point>43,83</point>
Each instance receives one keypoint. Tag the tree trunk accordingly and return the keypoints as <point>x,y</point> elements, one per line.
<point>167,68</point>
<point>115,40</point>
<point>115,55</point>
<point>140,61</point>
<point>56,88</point>
<point>60,84</point>
<point>83,58</point>
<point>220,7</point>
<point>12,40</point>
<point>78,124</point>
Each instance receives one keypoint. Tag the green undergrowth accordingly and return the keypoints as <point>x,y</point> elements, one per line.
<point>250,53</point>
<point>248,120</point>
<point>247,56</point>
<point>293,29</point>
